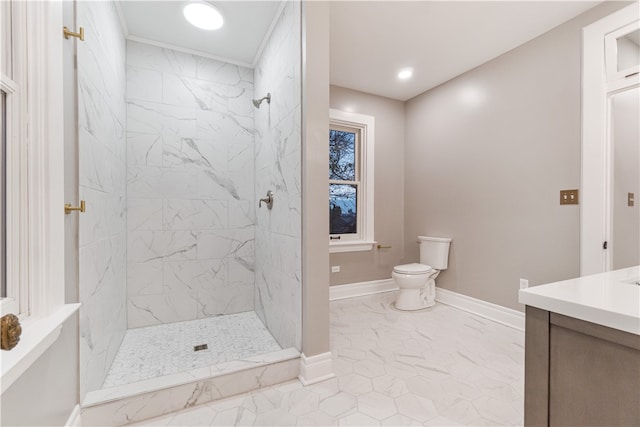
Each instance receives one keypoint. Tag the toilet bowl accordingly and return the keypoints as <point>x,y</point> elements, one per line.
<point>417,281</point>
<point>412,281</point>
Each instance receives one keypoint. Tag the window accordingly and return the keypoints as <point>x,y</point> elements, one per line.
<point>13,190</point>
<point>3,195</point>
<point>622,55</point>
<point>5,61</point>
<point>33,155</point>
<point>344,180</point>
<point>32,158</point>
<point>351,149</point>
<point>32,224</point>
<point>12,194</point>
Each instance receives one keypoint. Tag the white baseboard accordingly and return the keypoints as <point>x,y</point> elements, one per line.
<point>361,289</point>
<point>74,418</point>
<point>315,368</point>
<point>497,313</point>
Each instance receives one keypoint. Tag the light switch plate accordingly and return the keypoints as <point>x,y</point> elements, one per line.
<point>568,197</point>
<point>631,199</point>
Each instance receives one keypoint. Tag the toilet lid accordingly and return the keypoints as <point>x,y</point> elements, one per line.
<point>413,268</point>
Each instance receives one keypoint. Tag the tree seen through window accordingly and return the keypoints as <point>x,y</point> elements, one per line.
<point>343,182</point>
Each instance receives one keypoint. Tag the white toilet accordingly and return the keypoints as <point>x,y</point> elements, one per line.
<point>417,282</point>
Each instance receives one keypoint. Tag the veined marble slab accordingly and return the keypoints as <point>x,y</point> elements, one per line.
<point>138,401</point>
<point>610,299</point>
<point>190,187</point>
<point>102,115</point>
<point>278,136</point>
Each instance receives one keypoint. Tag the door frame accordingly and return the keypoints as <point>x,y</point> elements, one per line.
<point>596,179</point>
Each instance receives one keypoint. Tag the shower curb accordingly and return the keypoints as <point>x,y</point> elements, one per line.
<point>139,407</point>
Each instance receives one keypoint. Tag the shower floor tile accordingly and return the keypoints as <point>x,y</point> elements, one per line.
<point>160,350</point>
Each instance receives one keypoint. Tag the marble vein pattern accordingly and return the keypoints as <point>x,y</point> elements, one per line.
<point>278,168</point>
<point>146,404</point>
<point>166,349</point>
<point>434,367</point>
<point>190,187</point>
<point>102,184</point>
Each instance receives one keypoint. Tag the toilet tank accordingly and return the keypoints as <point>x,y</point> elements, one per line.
<point>434,251</point>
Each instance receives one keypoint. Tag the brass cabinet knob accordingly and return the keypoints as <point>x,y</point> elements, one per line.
<point>10,331</point>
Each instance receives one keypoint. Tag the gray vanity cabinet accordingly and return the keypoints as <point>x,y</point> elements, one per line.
<point>579,373</point>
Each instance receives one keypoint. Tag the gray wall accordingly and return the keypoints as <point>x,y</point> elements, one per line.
<point>315,193</point>
<point>389,187</point>
<point>486,156</point>
<point>47,392</point>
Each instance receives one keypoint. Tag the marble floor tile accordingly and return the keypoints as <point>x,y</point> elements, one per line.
<point>435,367</point>
<point>166,349</point>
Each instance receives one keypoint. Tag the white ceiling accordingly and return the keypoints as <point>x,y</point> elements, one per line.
<point>370,40</point>
<point>239,41</point>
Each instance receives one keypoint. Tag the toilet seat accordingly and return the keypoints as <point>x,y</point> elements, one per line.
<point>413,268</point>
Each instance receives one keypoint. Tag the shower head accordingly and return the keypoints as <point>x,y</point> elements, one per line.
<point>257,102</point>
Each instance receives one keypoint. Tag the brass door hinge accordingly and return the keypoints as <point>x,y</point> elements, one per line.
<point>68,208</point>
<point>68,33</point>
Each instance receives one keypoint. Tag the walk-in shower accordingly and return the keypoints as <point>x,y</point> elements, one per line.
<point>184,280</point>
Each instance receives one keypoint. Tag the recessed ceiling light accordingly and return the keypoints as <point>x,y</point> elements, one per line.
<point>405,74</point>
<point>203,15</point>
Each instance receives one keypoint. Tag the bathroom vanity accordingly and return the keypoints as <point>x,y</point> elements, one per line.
<point>582,350</point>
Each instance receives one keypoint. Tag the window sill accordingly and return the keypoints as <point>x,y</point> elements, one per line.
<point>355,246</point>
<point>37,336</point>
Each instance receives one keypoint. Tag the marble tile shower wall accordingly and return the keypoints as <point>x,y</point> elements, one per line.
<point>190,187</point>
<point>278,168</point>
<point>102,179</point>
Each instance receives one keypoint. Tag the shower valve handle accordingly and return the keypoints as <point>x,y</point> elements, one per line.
<point>268,200</point>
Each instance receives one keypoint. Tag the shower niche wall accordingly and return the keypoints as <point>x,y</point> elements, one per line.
<point>183,277</point>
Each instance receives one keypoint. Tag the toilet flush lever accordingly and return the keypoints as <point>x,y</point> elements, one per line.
<point>268,200</point>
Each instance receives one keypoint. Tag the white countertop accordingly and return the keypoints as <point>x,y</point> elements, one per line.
<point>610,299</point>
